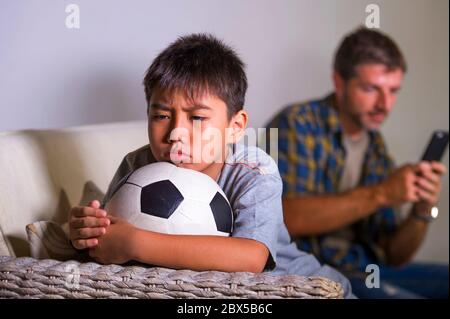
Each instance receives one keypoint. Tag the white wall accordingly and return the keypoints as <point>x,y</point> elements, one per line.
<point>52,76</point>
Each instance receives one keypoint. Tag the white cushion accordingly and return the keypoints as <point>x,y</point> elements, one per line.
<point>48,239</point>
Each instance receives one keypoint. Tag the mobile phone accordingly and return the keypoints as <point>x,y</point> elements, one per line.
<point>436,147</point>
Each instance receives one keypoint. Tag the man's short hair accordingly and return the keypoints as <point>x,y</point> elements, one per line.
<point>367,46</point>
<point>197,64</point>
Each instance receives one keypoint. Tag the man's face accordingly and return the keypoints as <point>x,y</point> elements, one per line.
<point>367,98</point>
<point>190,134</point>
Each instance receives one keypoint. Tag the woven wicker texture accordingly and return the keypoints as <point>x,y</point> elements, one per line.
<point>31,278</point>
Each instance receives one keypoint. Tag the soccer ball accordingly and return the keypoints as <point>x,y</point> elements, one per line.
<point>164,198</point>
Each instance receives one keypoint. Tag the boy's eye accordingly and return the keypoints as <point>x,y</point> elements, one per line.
<point>197,118</point>
<point>160,117</point>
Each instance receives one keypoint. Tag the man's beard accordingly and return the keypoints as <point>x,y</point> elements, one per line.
<point>353,116</point>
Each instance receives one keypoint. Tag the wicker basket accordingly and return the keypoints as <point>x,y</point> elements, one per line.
<point>31,278</point>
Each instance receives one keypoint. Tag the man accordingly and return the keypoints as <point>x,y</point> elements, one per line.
<point>340,185</point>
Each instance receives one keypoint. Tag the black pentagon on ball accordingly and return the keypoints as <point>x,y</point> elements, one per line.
<point>160,199</point>
<point>222,213</point>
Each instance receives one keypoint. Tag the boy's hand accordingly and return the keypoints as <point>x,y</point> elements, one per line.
<point>115,247</point>
<point>86,224</point>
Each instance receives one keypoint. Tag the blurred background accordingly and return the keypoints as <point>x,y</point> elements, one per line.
<point>53,76</point>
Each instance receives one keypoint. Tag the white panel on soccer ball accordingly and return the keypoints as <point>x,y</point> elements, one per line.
<point>152,173</point>
<point>151,223</point>
<point>125,203</point>
<point>195,216</point>
<point>205,185</point>
<point>193,229</point>
<point>195,212</point>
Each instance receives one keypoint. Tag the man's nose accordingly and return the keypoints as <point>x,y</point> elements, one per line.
<point>386,101</point>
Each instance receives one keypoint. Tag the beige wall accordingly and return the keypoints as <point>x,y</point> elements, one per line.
<point>53,77</point>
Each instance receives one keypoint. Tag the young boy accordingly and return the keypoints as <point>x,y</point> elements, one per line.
<point>199,83</point>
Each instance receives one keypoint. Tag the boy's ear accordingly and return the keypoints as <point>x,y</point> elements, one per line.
<point>237,126</point>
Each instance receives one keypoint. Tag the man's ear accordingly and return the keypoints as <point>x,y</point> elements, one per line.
<point>236,128</point>
<point>338,82</point>
<point>339,85</point>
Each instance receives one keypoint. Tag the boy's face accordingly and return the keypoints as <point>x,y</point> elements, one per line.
<point>192,134</point>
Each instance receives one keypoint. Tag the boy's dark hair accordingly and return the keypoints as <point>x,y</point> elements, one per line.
<point>197,64</point>
<point>367,46</point>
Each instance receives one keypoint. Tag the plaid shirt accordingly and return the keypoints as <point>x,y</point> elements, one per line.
<point>311,161</point>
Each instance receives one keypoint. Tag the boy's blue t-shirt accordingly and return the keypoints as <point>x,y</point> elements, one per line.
<point>253,186</point>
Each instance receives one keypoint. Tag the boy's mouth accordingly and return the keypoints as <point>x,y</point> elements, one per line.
<point>177,156</point>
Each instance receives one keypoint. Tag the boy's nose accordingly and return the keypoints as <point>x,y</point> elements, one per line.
<point>178,134</point>
<point>178,121</point>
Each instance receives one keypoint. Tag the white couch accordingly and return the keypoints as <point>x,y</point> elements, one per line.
<point>42,174</point>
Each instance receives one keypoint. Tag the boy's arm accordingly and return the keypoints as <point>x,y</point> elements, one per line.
<point>123,242</point>
<point>199,252</point>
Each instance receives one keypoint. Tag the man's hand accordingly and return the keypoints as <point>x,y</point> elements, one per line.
<point>401,186</point>
<point>428,184</point>
<point>116,246</point>
<point>86,224</point>
<point>401,245</point>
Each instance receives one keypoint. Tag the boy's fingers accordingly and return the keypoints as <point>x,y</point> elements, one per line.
<point>94,254</point>
<point>88,211</point>
<point>94,204</point>
<point>89,222</point>
<point>86,233</point>
<point>113,219</point>
<point>85,243</point>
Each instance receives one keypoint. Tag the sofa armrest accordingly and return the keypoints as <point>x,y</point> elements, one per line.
<point>47,278</point>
